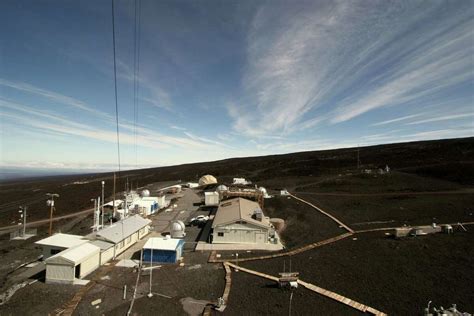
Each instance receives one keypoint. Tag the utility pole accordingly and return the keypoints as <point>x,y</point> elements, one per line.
<point>291,299</point>
<point>103,202</point>
<point>94,228</point>
<point>114,197</point>
<point>50,203</point>
<point>22,212</point>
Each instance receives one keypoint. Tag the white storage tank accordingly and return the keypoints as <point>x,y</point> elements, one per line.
<point>222,188</point>
<point>145,193</point>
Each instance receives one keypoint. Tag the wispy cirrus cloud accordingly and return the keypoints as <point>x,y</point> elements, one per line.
<point>149,91</point>
<point>444,118</point>
<point>52,96</point>
<point>398,119</point>
<point>335,61</point>
<point>52,122</point>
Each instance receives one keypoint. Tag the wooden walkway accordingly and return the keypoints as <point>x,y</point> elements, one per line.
<point>228,282</point>
<point>392,228</point>
<point>213,259</point>
<point>325,213</point>
<point>339,298</point>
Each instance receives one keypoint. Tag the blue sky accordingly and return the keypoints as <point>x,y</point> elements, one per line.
<point>224,79</point>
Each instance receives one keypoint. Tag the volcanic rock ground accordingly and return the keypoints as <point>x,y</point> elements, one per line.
<point>430,181</point>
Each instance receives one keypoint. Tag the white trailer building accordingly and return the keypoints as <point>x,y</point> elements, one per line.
<point>107,250</point>
<point>125,233</point>
<point>73,263</point>
<point>241,221</point>
<point>145,205</point>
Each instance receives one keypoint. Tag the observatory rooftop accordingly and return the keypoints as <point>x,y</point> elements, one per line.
<point>62,240</point>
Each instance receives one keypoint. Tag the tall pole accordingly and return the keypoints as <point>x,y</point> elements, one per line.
<point>103,202</point>
<point>151,270</point>
<point>291,298</point>
<point>114,196</point>
<point>51,217</point>
<point>24,220</point>
<point>95,215</point>
<point>51,195</point>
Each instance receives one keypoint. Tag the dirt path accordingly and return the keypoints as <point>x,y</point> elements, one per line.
<point>325,213</point>
<point>46,221</point>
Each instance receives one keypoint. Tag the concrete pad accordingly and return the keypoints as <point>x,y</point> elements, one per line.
<point>27,236</point>
<point>193,307</point>
<point>80,282</point>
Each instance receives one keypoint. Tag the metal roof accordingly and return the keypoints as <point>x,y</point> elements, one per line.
<point>121,230</point>
<point>238,209</point>
<point>158,243</point>
<point>102,244</point>
<point>62,240</point>
<point>74,255</point>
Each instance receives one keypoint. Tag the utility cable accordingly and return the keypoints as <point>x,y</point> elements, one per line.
<point>115,85</point>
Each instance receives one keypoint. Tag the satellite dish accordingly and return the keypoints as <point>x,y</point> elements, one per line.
<point>145,193</point>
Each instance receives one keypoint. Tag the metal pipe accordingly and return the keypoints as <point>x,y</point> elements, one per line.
<point>151,271</point>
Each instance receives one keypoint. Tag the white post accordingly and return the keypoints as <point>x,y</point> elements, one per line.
<point>151,270</point>
<point>97,210</point>
<point>24,220</point>
<point>125,292</point>
<point>94,228</point>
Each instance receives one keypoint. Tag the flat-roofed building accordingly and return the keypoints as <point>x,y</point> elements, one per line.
<point>58,242</point>
<point>241,221</point>
<point>163,250</point>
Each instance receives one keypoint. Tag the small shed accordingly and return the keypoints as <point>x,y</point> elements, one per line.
<point>73,263</point>
<point>211,198</point>
<point>163,250</point>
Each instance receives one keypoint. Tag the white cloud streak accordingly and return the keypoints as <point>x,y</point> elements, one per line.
<point>444,118</point>
<point>335,61</point>
<point>48,121</point>
<point>53,96</point>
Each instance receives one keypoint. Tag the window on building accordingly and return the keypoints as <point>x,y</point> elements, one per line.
<point>129,239</point>
<point>122,244</point>
<point>220,234</point>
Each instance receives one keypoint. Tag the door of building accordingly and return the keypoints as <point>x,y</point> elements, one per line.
<point>77,273</point>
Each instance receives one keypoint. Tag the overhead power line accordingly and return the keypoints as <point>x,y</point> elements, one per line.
<point>115,85</point>
<point>136,75</point>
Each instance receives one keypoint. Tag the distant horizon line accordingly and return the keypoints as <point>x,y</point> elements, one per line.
<point>12,172</point>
